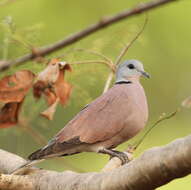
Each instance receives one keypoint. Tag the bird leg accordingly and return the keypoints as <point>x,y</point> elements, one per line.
<point>114,153</point>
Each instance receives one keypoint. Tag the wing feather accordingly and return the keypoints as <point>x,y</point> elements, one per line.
<point>100,120</point>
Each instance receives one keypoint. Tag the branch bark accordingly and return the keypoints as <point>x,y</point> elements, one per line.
<point>154,168</point>
<point>106,21</point>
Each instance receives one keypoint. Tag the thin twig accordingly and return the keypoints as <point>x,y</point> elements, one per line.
<point>108,82</point>
<point>88,51</point>
<point>94,61</point>
<point>107,61</point>
<point>161,119</point>
<point>125,49</point>
<point>122,54</point>
<point>40,139</point>
<point>107,21</point>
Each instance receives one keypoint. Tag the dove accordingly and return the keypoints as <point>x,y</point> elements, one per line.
<point>113,118</point>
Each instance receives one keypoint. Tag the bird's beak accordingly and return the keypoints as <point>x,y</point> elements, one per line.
<point>145,74</point>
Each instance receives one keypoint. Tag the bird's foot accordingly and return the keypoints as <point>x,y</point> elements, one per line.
<point>114,153</point>
<point>122,156</point>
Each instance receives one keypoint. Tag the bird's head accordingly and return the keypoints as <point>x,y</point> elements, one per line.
<point>130,69</point>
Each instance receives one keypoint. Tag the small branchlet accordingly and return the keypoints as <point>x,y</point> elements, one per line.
<point>122,54</point>
<point>162,118</point>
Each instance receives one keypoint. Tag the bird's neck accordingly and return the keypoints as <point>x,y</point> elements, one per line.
<point>123,82</point>
<point>120,80</point>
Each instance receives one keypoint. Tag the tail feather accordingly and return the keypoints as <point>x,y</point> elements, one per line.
<point>55,149</point>
<point>43,154</point>
<point>36,155</point>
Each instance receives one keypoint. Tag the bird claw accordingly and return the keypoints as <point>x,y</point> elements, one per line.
<point>114,153</point>
<point>121,155</point>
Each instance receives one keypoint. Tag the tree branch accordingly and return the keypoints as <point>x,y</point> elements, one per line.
<point>154,168</point>
<point>106,21</point>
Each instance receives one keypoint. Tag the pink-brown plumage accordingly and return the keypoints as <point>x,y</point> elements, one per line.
<point>111,119</point>
<point>121,107</point>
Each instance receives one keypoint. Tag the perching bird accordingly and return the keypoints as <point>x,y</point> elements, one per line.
<point>111,119</point>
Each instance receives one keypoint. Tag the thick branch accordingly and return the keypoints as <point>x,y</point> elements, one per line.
<point>154,168</point>
<point>106,21</point>
<point>9,161</point>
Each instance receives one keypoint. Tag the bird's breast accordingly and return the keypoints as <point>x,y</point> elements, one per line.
<point>138,115</point>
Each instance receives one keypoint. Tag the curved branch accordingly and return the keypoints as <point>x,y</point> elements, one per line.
<point>154,168</point>
<point>106,21</point>
<point>88,51</point>
<point>111,66</point>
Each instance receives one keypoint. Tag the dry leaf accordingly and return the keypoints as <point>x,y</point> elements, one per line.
<point>51,84</point>
<point>46,79</point>
<point>9,114</point>
<point>62,88</point>
<point>49,113</point>
<point>50,74</point>
<point>13,89</point>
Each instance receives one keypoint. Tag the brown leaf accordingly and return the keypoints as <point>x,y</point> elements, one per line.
<point>38,89</point>
<point>9,114</point>
<point>45,81</point>
<point>62,88</point>
<point>50,74</point>
<point>13,89</point>
<point>51,84</point>
<point>50,96</point>
<point>50,111</point>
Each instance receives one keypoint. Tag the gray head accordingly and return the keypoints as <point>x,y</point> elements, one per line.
<point>130,69</point>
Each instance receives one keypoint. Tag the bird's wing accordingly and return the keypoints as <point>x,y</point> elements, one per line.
<point>101,119</point>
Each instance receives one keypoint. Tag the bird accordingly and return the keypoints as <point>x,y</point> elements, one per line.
<point>111,119</point>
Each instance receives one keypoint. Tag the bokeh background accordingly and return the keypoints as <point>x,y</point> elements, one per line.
<point>164,48</point>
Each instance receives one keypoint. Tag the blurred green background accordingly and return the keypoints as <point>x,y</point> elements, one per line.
<point>164,48</point>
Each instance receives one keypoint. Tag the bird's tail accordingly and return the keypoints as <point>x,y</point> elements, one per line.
<point>26,165</point>
<point>36,157</point>
<point>38,154</point>
<point>44,153</point>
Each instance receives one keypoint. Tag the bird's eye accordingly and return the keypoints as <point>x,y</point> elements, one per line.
<point>131,66</point>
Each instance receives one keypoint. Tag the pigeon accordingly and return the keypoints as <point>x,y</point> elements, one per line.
<point>111,119</point>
